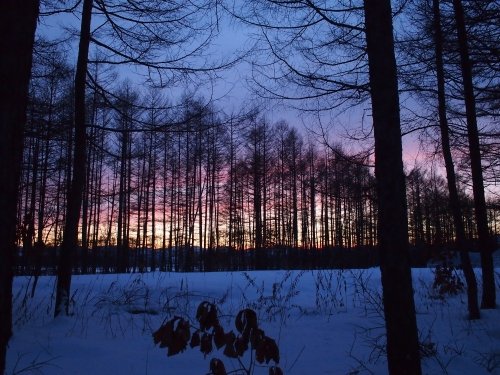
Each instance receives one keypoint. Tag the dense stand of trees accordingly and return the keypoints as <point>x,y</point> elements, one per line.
<point>165,177</point>
<point>192,177</point>
<point>458,92</point>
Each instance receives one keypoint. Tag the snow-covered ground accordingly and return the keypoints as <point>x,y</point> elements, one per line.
<point>325,322</point>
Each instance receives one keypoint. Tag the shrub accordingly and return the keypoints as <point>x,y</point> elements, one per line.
<point>446,281</point>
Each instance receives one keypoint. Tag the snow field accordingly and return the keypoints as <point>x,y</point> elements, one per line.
<point>324,321</point>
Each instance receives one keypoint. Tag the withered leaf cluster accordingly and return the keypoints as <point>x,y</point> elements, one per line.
<point>175,335</point>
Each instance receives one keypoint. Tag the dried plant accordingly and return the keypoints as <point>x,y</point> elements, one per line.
<point>175,335</point>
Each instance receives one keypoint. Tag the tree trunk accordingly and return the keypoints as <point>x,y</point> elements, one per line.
<point>74,201</point>
<point>399,309</point>
<point>485,244</point>
<point>470,278</point>
<point>17,29</point>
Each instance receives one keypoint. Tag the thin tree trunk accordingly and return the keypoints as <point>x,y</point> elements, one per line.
<point>164,206</point>
<point>485,244</point>
<point>98,204</point>
<point>39,244</point>
<point>399,308</point>
<point>152,169</point>
<point>173,218</point>
<point>295,204</point>
<point>470,278</point>
<point>30,217</point>
<point>86,203</point>
<point>58,199</point>
<point>74,201</point>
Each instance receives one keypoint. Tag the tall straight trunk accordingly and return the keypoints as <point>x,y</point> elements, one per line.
<point>488,300</point>
<point>339,238</point>
<point>173,201</point>
<point>164,209</point>
<point>67,172</point>
<point>17,29</point>
<point>140,196</point>
<point>279,194</point>
<point>208,220</point>
<point>43,187</point>
<point>74,201</point>
<point>189,202</point>
<point>39,244</point>
<point>199,205</point>
<point>85,207</point>
<point>178,201</point>
<point>152,169</point>
<point>257,211</point>
<point>30,217</point>
<point>207,203</point>
<point>141,182</point>
<point>43,190</point>
<point>295,208</point>
<point>128,206</point>
<point>23,217</point>
<point>470,277</point>
<point>98,203</point>
<point>110,213</point>
<point>121,220</point>
<point>232,205</point>
<point>58,199</point>
<point>89,191</point>
<point>419,222</point>
<point>213,199</point>
<point>264,198</point>
<point>147,185</point>
<point>312,183</point>
<point>325,205</point>
<point>303,212</point>
<point>399,308</point>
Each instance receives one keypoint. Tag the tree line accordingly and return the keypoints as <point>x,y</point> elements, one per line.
<point>164,177</point>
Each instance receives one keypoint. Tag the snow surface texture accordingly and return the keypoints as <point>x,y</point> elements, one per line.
<point>325,322</point>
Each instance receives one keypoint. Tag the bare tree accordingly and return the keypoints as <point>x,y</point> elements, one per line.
<point>488,300</point>
<point>450,170</point>
<point>75,192</point>
<point>164,38</point>
<point>18,20</point>
<point>402,348</point>
<point>311,29</point>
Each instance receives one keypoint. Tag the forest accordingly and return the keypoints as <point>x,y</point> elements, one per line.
<point>166,179</point>
<point>116,156</point>
<point>166,173</point>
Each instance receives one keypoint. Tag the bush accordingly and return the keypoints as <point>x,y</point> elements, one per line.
<point>446,281</point>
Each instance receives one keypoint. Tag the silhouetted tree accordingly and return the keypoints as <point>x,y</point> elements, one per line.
<point>488,300</point>
<point>328,80</point>
<point>450,169</point>
<point>18,21</point>
<point>75,191</point>
<point>402,337</point>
